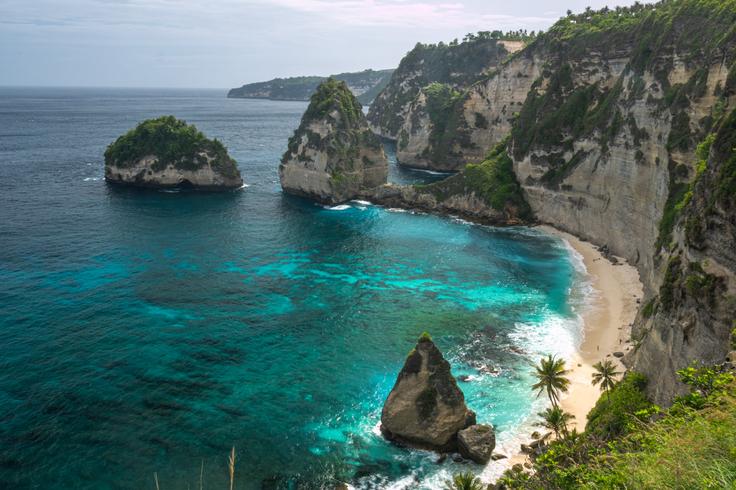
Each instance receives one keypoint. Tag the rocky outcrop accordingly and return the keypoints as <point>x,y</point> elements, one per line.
<point>477,443</point>
<point>426,408</point>
<point>456,65</point>
<point>166,152</point>
<point>445,134</point>
<point>333,156</point>
<point>486,193</point>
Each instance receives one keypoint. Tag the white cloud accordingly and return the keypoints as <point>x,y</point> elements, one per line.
<point>404,13</point>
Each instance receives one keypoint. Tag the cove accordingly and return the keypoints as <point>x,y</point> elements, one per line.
<point>152,331</point>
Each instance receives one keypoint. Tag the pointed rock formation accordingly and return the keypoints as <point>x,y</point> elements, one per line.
<point>333,156</point>
<point>426,408</point>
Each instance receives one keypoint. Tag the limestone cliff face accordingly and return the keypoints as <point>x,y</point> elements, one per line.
<point>146,172</point>
<point>603,146</point>
<point>166,152</point>
<point>693,314</point>
<point>333,156</point>
<point>473,122</point>
<point>455,65</point>
<point>425,407</point>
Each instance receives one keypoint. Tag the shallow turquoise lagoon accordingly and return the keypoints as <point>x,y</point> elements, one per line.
<point>152,331</point>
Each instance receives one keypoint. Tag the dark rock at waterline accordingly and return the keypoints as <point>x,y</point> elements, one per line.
<point>498,456</point>
<point>477,442</point>
<point>425,408</point>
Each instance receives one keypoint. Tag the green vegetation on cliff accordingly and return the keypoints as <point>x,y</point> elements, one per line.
<point>492,180</point>
<point>560,110</point>
<point>172,142</point>
<point>629,443</point>
<point>332,101</point>
<point>367,84</point>
<point>457,64</point>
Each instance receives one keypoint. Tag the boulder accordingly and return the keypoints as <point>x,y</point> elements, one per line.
<point>333,156</point>
<point>425,408</point>
<point>477,443</point>
<point>167,152</point>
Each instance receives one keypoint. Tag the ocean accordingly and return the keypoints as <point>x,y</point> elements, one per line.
<point>147,332</point>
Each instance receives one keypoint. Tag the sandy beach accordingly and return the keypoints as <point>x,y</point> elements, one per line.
<point>607,323</point>
<point>607,327</point>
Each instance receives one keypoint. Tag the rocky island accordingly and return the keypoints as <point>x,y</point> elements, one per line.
<point>333,156</point>
<point>167,152</point>
<point>427,409</point>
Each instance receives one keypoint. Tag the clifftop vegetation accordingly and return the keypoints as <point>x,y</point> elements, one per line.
<point>457,64</point>
<point>491,180</point>
<point>172,142</point>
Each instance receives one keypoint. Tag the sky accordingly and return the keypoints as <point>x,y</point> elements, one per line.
<point>226,43</point>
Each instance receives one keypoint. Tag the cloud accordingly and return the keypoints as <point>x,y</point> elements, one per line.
<point>403,13</point>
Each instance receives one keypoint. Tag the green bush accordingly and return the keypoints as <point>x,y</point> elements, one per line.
<point>619,411</point>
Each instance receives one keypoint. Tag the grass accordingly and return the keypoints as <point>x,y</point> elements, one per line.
<point>694,449</point>
<point>690,446</point>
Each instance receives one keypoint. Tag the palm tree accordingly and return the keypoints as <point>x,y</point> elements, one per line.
<point>605,374</point>
<point>464,481</point>
<point>556,420</point>
<point>551,378</point>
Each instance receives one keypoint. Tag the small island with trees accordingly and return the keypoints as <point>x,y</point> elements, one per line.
<point>167,152</point>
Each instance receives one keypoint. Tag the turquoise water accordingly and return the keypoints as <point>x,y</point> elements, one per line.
<point>152,331</point>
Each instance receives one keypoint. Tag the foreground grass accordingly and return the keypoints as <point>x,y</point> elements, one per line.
<point>687,449</point>
<point>631,444</point>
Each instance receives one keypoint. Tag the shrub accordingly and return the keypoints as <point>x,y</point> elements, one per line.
<point>617,413</point>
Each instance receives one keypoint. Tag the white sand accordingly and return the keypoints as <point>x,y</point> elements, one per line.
<point>607,326</point>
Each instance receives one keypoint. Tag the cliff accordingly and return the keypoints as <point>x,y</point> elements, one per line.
<point>365,85</point>
<point>486,192</point>
<point>456,65</point>
<point>166,152</point>
<point>605,112</point>
<point>446,128</point>
<point>333,156</point>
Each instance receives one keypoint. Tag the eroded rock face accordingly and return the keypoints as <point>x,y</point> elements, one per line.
<point>477,442</point>
<point>425,407</point>
<point>166,152</point>
<point>447,138</point>
<point>333,156</point>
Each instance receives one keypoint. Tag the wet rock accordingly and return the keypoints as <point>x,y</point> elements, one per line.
<point>477,442</point>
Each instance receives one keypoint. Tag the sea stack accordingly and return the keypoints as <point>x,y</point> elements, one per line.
<point>166,152</point>
<point>425,408</point>
<point>333,156</point>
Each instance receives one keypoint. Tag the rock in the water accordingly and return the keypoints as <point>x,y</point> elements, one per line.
<point>167,152</point>
<point>498,456</point>
<point>333,156</point>
<point>477,442</point>
<point>425,407</point>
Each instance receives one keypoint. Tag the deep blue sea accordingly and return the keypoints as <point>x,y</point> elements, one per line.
<point>147,332</point>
